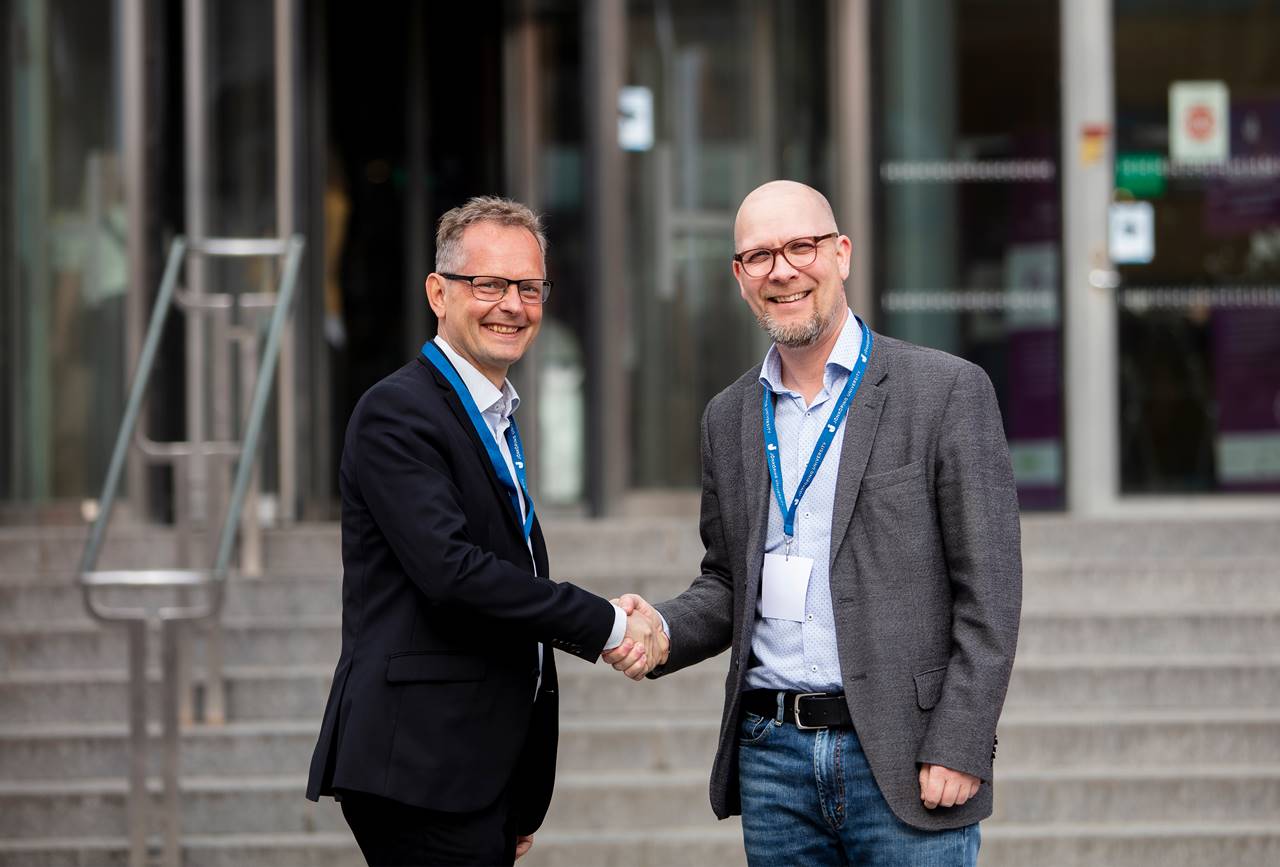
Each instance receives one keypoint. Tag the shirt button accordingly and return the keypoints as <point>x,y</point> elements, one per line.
<point>814,669</point>
<point>811,617</point>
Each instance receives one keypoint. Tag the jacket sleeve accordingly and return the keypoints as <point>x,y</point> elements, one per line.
<point>405,479</point>
<point>978,514</point>
<point>701,618</point>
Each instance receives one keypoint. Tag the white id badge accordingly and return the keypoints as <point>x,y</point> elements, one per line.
<point>785,582</point>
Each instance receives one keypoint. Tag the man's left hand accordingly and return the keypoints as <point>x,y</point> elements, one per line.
<point>943,787</point>
<point>524,842</point>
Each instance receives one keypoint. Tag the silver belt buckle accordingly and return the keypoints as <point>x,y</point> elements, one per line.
<point>795,707</point>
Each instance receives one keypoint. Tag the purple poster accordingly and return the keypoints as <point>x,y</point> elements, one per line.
<point>1249,199</point>
<point>1246,378</point>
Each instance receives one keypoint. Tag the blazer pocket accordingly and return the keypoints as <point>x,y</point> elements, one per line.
<point>929,687</point>
<point>413,665</point>
<point>893,477</point>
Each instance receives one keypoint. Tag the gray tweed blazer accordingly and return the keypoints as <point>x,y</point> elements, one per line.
<point>926,571</point>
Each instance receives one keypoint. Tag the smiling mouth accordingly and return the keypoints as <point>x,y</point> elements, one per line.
<point>790,299</point>
<point>505,330</point>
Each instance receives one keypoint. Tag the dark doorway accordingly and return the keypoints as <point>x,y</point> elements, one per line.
<point>414,122</point>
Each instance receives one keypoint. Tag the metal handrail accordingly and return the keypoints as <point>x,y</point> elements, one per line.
<point>147,360</point>
<point>169,617</point>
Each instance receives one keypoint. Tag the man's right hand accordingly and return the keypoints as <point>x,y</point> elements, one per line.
<point>645,645</point>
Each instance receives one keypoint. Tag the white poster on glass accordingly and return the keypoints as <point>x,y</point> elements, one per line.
<point>1199,122</point>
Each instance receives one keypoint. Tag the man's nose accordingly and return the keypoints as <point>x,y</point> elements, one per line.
<point>782,268</point>
<point>510,300</point>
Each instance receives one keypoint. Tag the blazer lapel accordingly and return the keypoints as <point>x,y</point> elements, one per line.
<point>757,475</point>
<point>460,412</point>
<point>859,433</point>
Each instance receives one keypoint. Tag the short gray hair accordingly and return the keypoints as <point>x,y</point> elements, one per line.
<point>482,209</point>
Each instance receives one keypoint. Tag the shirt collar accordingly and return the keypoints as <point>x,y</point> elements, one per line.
<point>487,397</point>
<point>840,361</point>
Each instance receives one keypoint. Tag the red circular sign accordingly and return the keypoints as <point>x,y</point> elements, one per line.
<point>1200,122</point>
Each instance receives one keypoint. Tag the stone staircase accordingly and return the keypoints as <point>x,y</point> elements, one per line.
<point>1142,726</point>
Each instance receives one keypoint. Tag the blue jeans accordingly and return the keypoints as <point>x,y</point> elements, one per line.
<point>808,798</point>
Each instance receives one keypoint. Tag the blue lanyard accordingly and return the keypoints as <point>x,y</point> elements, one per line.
<point>820,448</point>
<point>438,360</point>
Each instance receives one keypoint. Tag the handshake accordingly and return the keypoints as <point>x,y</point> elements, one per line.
<point>645,645</point>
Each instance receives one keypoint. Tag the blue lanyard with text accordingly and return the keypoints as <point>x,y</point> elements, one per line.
<point>438,360</point>
<point>820,449</point>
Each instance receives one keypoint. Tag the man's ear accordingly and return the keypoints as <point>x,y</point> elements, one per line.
<point>739,276</point>
<point>435,294</point>
<point>844,256</point>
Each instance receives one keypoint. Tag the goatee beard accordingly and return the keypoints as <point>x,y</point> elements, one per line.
<point>795,336</point>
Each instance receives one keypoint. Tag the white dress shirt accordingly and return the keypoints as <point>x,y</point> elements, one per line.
<point>496,407</point>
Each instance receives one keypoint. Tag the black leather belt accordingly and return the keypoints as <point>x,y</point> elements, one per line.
<point>806,710</point>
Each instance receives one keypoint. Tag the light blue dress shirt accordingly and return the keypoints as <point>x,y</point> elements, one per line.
<point>785,654</point>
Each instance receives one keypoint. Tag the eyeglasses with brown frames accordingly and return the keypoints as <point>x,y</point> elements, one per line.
<point>799,252</point>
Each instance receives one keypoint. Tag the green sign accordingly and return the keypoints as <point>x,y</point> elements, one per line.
<point>1142,174</point>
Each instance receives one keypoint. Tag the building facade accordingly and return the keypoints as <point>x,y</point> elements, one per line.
<point>1083,198</point>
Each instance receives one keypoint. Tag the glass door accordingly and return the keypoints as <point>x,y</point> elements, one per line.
<point>64,252</point>
<point>719,98</point>
<point>968,205</point>
<point>1194,236</point>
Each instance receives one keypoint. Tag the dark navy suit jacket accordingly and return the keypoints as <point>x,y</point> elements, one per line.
<point>432,701</point>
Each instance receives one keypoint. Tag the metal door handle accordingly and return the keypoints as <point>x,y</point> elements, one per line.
<point>1104,278</point>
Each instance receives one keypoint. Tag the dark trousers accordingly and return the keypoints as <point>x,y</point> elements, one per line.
<point>392,834</point>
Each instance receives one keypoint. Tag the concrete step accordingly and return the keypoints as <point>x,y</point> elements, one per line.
<point>1048,583</point>
<point>1151,584</point>
<point>29,552</point>
<point>1168,844</point>
<point>83,643</point>
<point>648,541</point>
<point>1069,738</point>
<point>61,601</point>
<point>1171,537</point>
<point>1044,683</point>
<point>1054,682</point>
<point>319,849</point>
<point>69,752</point>
<point>45,752</point>
<point>1241,844</point>
<point>594,801</point>
<point>35,551</point>
<point>210,805</point>
<point>1209,632</point>
<point>1028,742</point>
<point>1187,793</point>
<point>1139,587</point>
<point>1048,682</point>
<point>1180,792</point>
<point>253,693</point>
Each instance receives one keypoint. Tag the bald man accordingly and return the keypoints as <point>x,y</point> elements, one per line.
<point>862,565</point>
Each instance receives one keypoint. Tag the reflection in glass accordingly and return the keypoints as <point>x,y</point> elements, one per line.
<point>63,326</point>
<point>968,206</point>
<point>739,97</point>
<point>1198,137</point>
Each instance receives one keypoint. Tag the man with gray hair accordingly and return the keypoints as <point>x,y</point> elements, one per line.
<point>439,737</point>
<point>862,567</point>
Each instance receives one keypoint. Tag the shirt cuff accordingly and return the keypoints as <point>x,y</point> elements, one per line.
<point>619,629</point>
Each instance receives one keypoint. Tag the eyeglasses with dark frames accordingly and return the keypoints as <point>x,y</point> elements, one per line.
<point>489,289</point>
<point>799,252</point>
